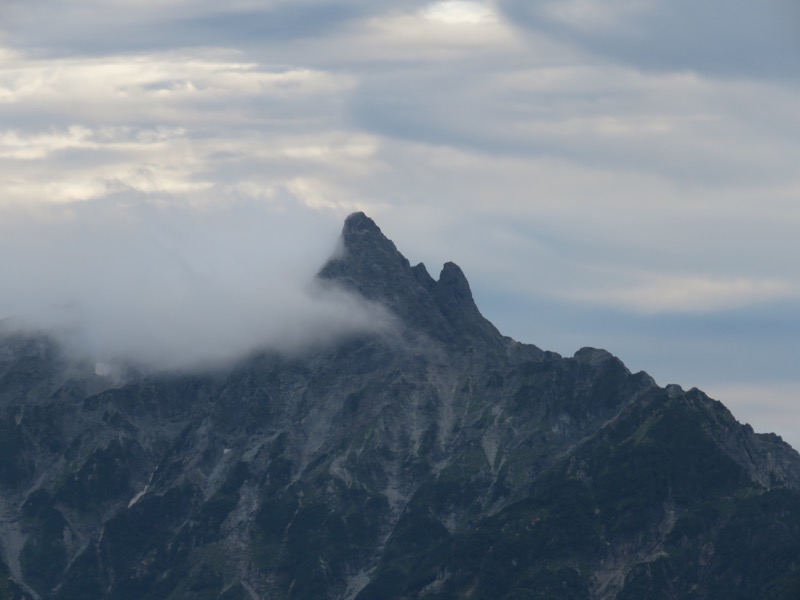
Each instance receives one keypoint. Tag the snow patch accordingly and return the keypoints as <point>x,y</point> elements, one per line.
<point>138,496</point>
<point>397,500</point>
<point>337,469</point>
<point>490,446</point>
<point>356,583</point>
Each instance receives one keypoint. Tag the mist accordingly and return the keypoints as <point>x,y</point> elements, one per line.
<point>166,286</point>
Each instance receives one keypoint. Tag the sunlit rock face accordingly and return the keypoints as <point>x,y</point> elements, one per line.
<point>432,459</point>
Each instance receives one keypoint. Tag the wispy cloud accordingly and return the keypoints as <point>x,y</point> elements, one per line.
<point>691,294</point>
<point>458,12</point>
<point>739,39</point>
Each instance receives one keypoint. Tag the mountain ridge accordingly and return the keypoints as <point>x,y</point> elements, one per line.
<point>446,462</point>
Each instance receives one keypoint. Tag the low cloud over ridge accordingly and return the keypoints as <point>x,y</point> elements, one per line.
<point>175,287</point>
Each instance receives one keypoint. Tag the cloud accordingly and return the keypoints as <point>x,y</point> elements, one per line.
<point>170,286</point>
<point>96,27</point>
<point>737,39</point>
<point>160,88</point>
<point>601,116</point>
<point>692,294</point>
<point>459,12</point>
<point>173,124</point>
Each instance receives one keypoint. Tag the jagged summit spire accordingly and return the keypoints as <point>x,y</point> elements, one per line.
<point>371,265</point>
<point>357,223</point>
<point>454,280</point>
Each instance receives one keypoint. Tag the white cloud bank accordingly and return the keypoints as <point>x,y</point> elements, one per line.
<point>174,287</point>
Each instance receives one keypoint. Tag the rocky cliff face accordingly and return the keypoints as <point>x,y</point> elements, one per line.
<point>441,460</point>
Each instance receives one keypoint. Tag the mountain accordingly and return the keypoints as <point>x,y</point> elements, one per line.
<point>437,460</point>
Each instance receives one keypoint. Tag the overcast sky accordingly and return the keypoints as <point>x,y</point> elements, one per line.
<point>615,173</point>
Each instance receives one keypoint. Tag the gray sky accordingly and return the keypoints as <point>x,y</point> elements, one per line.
<point>619,174</point>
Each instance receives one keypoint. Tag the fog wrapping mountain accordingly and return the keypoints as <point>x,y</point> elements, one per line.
<point>438,460</point>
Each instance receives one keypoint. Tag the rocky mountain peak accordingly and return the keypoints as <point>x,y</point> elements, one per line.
<point>369,262</point>
<point>464,466</point>
<point>453,279</point>
<point>371,265</point>
<point>358,223</point>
